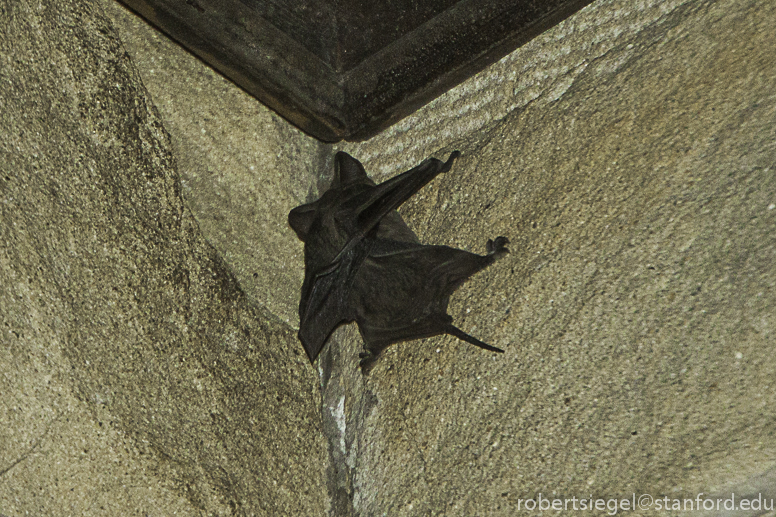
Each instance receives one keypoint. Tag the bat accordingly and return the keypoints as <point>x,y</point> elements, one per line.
<point>364,264</point>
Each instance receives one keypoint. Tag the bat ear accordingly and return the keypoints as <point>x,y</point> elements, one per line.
<point>301,219</point>
<point>349,170</point>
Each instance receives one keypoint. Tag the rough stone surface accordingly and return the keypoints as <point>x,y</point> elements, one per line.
<point>242,167</point>
<point>627,153</point>
<point>537,74</point>
<point>136,377</point>
<point>637,307</point>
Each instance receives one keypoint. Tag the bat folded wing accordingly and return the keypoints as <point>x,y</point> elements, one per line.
<point>389,195</point>
<point>325,302</point>
<point>370,206</point>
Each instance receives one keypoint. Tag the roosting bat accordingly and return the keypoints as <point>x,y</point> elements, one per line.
<point>363,264</point>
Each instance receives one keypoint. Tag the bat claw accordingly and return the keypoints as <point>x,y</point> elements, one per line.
<point>367,361</point>
<point>498,246</point>
<point>449,163</point>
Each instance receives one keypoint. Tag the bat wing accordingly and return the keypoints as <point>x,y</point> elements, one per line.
<point>326,301</point>
<point>402,291</point>
<point>371,205</point>
<point>323,308</point>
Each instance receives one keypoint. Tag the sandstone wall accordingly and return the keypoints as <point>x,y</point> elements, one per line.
<point>149,280</point>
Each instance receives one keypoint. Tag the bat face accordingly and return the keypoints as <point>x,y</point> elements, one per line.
<point>363,264</point>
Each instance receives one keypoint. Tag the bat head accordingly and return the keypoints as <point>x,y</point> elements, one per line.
<point>349,174</point>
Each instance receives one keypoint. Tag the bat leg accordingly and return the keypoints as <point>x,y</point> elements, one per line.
<point>460,334</point>
<point>368,358</point>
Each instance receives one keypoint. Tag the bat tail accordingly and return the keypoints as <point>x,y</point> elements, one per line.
<point>460,334</point>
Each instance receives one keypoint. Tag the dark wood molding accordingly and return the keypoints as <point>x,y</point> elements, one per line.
<point>347,69</point>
